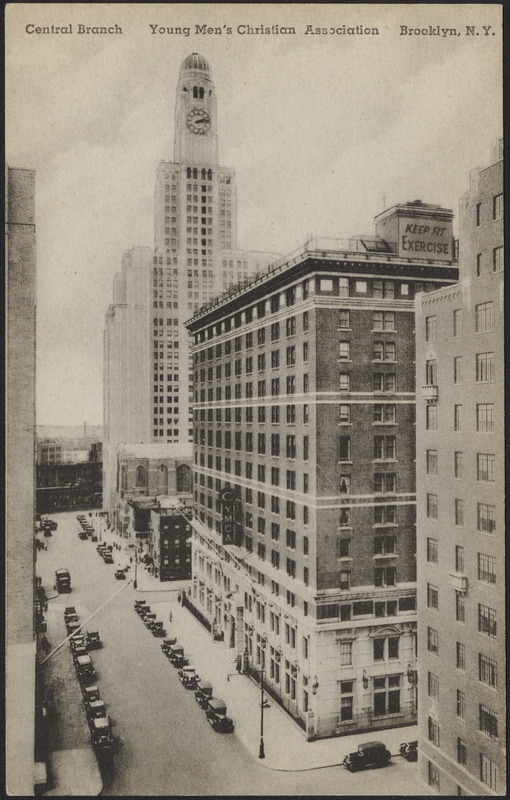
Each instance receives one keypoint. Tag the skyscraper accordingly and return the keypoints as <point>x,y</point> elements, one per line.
<point>304,461</point>
<point>147,389</point>
<point>461,505</point>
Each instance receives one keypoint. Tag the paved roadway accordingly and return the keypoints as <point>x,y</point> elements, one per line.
<point>164,744</point>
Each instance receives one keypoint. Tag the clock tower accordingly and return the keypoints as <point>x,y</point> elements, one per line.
<point>196,139</point>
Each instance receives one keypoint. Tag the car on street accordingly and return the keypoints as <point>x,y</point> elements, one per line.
<point>93,640</point>
<point>102,738</point>
<point>409,750</point>
<point>203,693</point>
<point>62,580</point>
<point>368,754</point>
<point>108,558</point>
<point>84,669</point>
<point>216,714</point>
<point>188,677</point>
<point>120,574</point>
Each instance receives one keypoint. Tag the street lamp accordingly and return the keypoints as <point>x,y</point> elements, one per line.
<point>261,748</point>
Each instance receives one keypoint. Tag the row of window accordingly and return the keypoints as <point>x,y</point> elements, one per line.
<point>484,321</point>
<point>487,625</point>
<point>488,773</point>
<point>262,388</point>
<point>247,411</point>
<point>385,448</point>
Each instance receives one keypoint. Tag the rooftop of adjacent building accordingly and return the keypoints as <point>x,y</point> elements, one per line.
<point>173,450</point>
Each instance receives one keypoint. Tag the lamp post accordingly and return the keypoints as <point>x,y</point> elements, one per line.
<point>261,748</point>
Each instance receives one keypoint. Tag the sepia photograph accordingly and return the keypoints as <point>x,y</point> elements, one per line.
<point>255,450</point>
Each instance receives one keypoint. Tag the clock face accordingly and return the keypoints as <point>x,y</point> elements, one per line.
<point>198,121</point>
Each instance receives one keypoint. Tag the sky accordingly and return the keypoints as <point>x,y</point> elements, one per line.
<point>324,131</point>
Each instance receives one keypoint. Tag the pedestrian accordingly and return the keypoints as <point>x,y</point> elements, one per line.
<point>170,617</point>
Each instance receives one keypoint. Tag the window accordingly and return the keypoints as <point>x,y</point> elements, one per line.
<point>291,539</point>
<point>458,464</point>
<point>478,264</point>
<point>485,467</point>
<point>345,517</point>
<point>384,447</point>
<point>431,462</point>
<point>460,656</point>
<point>433,731</point>
<point>345,580</point>
<point>261,443</point>
<point>457,417</point>
<point>383,351</point>
<point>459,558</point>
<point>487,620</point>
<point>433,775</point>
<point>290,326</point>
<point>345,381</point>
<point>343,287</point>
<point>305,320</point>
<point>386,695</point>
<point>497,206</point>
<point>361,287</point>
<point>385,515</point>
<point>485,367</point>
<point>385,545</point>
<point>478,214</point>
<point>486,518</point>
<point>385,576</point>
<point>497,259</point>
<point>291,482</point>
<point>344,548</point>
<point>433,686</point>
<point>430,329</point>
<point>344,320</point>
<point>291,355</point>
<point>344,351</point>
<point>459,512</point>
<point>431,417</point>
<point>291,384</point>
<point>275,476</point>
<point>275,414</point>
<point>275,444</point>
<point>461,704</point>
<point>385,412</point>
<point>484,317</point>
<point>461,751</point>
<point>431,372</point>
<point>485,417</point>
<point>432,551</point>
<point>345,448</point>
<point>345,654</point>
<point>432,596</point>
<point>385,482</point>
<point>384,381</point>
<point>345,414</point>
<point>457,322</point>
<point>487,670</point>
<point>488,772</point>
<point>486,568</point>
<point>488,721</point>
<point>432,506</point>
<point>383,320</point>
<point>275,331</point>
<point>457,365</point>
<point>432,641</point>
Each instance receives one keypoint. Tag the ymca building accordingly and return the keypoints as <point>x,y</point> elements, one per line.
<point>304,540</point>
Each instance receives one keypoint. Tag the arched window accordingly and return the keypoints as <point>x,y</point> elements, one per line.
<point>201,93</point>
<point>162,482</point>
<point>195,91</point>
<point>141,476</point>
<point>184,478</point>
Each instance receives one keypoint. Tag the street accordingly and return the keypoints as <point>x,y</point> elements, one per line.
<point>165,746</point>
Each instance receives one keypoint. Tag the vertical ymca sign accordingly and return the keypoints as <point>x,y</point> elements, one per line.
<point>227,502</point>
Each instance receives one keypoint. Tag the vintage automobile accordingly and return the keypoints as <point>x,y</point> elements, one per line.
<point>62,581</point>
<point>69,611</point>
<point>157,629</point>
<point>368,754</point>
<point>102,738</point>
<point>409,750</point>
<point>84,669</point>
<point>188,677</point>
<point>51,524</point>
<point>93,640</point>
<point>90,693</point>
<point>78,650</point>
<point>77,640</point>
<point>140,605</point>
<point>177,657</point>
<point>120,574</point>
<point>216,713</point>
<point>94,537</point>
<point>82,534</point>
<point>72,627</point>
<point>95,709</point>
<point>167,645</point>
<point>203,693</point>
<point>144,610</point>
<point>71,619</point>
<point>148,619</point>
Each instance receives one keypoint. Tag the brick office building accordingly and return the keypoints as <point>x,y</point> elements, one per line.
<point>460,507</point>
<point>304,540</point>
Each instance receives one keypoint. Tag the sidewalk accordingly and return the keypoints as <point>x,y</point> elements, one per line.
<point>72,764</point>
<point>285,744</point>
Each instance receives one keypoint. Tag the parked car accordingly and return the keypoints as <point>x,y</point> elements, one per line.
<point>79,650</point>
<point>95,709</point>
<point>108,558</point>
<point>120,574</point>
<point>157,629</point>
<point>188,677</point>
<point>90,693</point>
<point>216,714</point>
<point>93,640</point>
<point>77,640</point>
<point>102,738</point>
<point>177,657</point>
<point>82,534</point>
<point>167,645</point>
<point>69,611</point>
<point>85,669</point>
<point>368,754</point>
<point>203,693</point>
<point>409,750</point>
<point>148,619</point>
